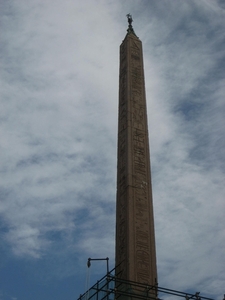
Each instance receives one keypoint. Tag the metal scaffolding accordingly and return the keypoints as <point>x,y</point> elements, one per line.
<point>111,287</point>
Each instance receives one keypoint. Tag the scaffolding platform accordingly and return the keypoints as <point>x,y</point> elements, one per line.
<point>111,287</point>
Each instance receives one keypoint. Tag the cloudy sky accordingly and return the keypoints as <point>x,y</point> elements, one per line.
<point>59,103</point>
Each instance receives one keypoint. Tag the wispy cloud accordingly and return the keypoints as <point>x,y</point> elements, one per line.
<point>59,91</point>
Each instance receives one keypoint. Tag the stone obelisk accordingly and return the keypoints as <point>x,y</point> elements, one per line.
<point>135,236</point>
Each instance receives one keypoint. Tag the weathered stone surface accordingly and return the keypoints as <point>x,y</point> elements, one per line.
<point>135,237</point>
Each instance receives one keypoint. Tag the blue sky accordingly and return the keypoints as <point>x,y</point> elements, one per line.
<point>59,102</point>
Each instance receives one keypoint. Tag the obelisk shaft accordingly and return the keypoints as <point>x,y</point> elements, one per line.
<point>135,236</point>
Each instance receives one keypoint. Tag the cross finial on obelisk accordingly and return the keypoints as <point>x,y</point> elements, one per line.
<point>130,27</point>
<point>129,17</point>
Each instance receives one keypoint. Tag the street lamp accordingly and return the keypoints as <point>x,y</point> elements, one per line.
<point>107,262</point>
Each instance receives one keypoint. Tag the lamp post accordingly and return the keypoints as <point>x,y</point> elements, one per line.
<point>107,269</point>
<point>107,262</point>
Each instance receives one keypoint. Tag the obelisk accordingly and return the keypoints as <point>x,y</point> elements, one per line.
<point>135,235</point>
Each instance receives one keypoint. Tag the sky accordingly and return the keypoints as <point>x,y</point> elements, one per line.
<point>59,109</point>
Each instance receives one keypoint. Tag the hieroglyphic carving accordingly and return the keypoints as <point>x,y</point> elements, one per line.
<point>135,51</point>
<point>140,166</point>
<point>133,192</point>
<point>121,226</point>
<point>121,210</point>
<point>123,87</point>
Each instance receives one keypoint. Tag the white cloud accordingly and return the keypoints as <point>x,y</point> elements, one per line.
<point>59,90</point>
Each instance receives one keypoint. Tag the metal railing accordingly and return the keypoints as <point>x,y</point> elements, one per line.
<point>111,287</point>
